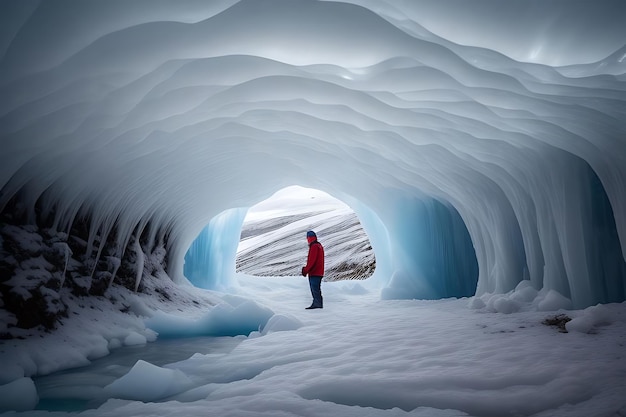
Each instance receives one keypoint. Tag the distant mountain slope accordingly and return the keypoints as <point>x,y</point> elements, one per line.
<point>278,247</point>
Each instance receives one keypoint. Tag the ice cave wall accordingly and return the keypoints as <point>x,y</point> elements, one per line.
<point>157,119</point>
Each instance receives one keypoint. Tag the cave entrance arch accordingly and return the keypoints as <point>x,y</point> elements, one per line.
<point>422,247</point>
<point>267,239</point>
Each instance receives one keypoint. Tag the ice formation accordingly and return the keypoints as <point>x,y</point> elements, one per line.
<point>456,157</point>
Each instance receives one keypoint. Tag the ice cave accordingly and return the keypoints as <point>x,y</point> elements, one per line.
<point>482,147</point>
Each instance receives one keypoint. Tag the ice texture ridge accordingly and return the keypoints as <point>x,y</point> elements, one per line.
<point>457,158</point>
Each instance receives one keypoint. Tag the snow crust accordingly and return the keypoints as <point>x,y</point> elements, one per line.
<point>361,355</point>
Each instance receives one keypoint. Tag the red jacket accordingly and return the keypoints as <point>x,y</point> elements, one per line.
<point>315,261</point>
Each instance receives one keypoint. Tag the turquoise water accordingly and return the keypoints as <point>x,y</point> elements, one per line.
<point>82,388</point>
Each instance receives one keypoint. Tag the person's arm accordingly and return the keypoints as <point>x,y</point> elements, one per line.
<point>311,259</point>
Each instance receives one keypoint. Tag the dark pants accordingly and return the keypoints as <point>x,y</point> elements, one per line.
<point>316,291</point>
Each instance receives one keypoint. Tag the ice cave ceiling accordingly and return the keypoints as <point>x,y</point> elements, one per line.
<point>431,119</point>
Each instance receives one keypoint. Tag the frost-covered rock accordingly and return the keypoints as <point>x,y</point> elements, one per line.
<point>31,278</point>
<point>23,239</point>
<point>40,268</point>
<point>7,319</point>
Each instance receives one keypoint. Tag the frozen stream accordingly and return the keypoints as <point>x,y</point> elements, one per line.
<point>83,388</point>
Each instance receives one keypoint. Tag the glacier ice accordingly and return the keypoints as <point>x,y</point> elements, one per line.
<point>209,261</point>
<point>231,318</point>
<point>470,171</point>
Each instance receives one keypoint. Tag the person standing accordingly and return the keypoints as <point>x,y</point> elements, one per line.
<point>315,269</point>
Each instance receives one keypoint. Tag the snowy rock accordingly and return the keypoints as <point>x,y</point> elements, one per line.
<point>37,263</point>
<point>6,319</point>
<point>29,278</point>
<point>81,284</point>
<point>113,262</point>
<point>62,249</point>
<point>53,300</point>
<point>25,237</point>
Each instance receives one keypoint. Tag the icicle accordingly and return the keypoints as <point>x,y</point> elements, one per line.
<point>140,263</point>
<point>116,262</point>
<point>63,246</point>
<point>105,231</point>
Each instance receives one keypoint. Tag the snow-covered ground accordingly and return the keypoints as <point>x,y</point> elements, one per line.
<point>257,351</point>
<point>363,356</point>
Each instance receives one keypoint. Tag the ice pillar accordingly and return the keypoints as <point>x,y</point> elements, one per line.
<point>432,253</point>
<point>210,260</point>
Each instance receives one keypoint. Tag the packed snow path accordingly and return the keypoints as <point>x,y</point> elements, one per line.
<point>362,356</point>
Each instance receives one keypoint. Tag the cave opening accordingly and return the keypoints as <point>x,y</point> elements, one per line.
<point>272,239</point>
<point>267,239</point>
<point>420,250</point>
